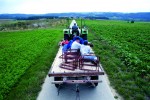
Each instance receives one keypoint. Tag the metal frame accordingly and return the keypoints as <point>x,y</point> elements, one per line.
<point>83,63</point>
<point>70,59</point>
<point>76,81</point>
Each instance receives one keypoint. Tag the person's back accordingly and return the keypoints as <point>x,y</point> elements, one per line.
<point>81,40</point>
<point>75,30</point>
<point>85,50</point>
<point>74,27</point>
<point>76,44</point>
<point>69,44</point>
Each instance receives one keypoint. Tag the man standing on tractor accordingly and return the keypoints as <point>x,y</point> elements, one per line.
<point>75,30</point>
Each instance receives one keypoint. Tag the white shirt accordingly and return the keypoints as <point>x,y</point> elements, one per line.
<point>85,50</point>
<point>75,45</point>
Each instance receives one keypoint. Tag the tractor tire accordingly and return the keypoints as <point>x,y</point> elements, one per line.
<point>66,37</point>
<point>57,79</point>
<point>84,36</point>
<point>95,78</point>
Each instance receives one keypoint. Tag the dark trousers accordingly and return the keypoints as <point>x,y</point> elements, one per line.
<point>75,31</point>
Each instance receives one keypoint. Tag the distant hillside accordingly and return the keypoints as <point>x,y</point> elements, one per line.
<point>143,16</point>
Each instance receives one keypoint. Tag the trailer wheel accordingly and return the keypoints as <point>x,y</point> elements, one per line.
<point>94,78</point>
<point>57,79</point>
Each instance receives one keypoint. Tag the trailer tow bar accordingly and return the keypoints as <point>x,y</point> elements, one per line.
<point>77,92</point>
<point>58,90</point>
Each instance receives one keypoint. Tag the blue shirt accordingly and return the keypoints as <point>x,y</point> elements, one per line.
<point>74,27</point>
<point>81,40</point>
<point>69,44</point>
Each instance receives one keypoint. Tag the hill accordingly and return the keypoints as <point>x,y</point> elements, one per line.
<point>141,16</point>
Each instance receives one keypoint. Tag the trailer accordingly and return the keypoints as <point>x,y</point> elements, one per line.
<point>74,71</point>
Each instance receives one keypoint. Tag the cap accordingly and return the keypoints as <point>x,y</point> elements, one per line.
<point>85,42</point>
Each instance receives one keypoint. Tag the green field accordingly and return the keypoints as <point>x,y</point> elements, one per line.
<point>21,50</point>
<point>28,52</point>
<point>127,61</point>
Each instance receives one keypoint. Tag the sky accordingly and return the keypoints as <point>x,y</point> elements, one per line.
<point>59,6</point>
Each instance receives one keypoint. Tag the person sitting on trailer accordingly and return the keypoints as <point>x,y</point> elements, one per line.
<point>81,40</point>
<point>69,44</point>
<point>64,49</point>
<point>71,41</point>
<point>63,42</point>
<point>75,30</point>
<point>76,44</point>
<point>87,52</point>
